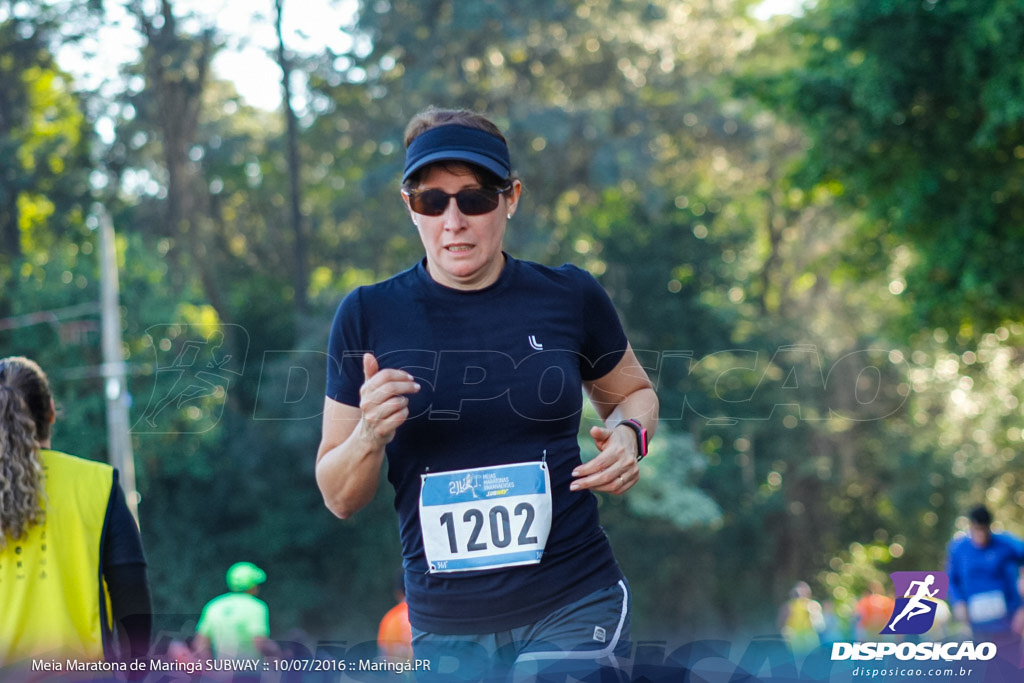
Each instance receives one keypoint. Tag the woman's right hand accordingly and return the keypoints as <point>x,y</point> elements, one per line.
<point>383,401</point>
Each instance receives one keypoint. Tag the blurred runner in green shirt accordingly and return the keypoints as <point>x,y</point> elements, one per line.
<point>236,625</point>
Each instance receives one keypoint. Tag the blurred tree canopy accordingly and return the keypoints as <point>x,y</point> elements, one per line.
<point>913,115</point>
<point>811,228</point>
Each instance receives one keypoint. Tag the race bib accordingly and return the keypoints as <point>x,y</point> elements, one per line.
<point>485,518</point>
<point>986,607</point>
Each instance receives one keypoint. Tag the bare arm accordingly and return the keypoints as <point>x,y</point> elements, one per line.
<point>625,392</point>
<point>351,449</point>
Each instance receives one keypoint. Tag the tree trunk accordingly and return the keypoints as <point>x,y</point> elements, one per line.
<point>300,276</point>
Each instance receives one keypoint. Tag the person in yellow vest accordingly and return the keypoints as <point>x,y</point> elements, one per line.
<point>800,620</point>
<point>73,578</point>
<point>236,625</point>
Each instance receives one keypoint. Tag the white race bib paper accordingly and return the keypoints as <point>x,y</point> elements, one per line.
<point>986,607</point>
<point>485,518</point>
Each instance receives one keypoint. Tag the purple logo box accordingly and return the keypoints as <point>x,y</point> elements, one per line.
<point>901,583</point>
<point>915,608</point>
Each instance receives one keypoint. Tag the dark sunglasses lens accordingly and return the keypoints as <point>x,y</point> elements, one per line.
<point>429,203</point>
<point>477,202</point>
<point>471,202</point>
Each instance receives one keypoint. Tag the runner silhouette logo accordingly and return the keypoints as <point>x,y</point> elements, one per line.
<point>914,612</point>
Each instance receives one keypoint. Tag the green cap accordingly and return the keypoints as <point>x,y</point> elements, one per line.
<point>245,575</point>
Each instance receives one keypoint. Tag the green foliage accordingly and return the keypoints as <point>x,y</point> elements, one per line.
<point>659,493</point>
<point>914,111</point>
<point>43,150</point>
<point>851,573</point>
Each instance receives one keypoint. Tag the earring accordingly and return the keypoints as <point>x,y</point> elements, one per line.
<point>509,216</point>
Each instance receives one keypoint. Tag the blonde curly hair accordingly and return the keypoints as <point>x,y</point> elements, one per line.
<point>26,413</point>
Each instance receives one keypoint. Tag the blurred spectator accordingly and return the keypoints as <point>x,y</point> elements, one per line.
<point>872,612</point>
<point>236,625</point>
<point>984,569</point>
<point>800,620</point>
<point>72,570</point>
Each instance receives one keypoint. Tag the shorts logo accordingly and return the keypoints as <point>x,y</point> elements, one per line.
<point>600,635</point>
<point>914,613</point>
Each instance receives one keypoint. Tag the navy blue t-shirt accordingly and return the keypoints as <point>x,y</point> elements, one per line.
<point>501,371</point>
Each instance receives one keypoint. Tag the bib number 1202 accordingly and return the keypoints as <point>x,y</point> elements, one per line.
<point>485,518</point>
<point>499,523</point>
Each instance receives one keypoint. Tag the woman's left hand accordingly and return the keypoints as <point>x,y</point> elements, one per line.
<point>615,469</point>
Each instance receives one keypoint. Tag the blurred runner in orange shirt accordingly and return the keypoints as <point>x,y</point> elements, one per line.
<point>394,637</point>
<point>873,611</point>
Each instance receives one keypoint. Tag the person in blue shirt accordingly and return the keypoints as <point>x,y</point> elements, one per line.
<point>466,373</point>
<point>984,569</point>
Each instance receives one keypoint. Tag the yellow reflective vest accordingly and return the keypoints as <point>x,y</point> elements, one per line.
<point>53,600</point>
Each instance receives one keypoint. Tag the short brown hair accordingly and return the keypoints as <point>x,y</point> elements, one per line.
<point>432,117</point>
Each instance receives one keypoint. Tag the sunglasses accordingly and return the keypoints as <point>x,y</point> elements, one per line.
<point>472,202</point>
